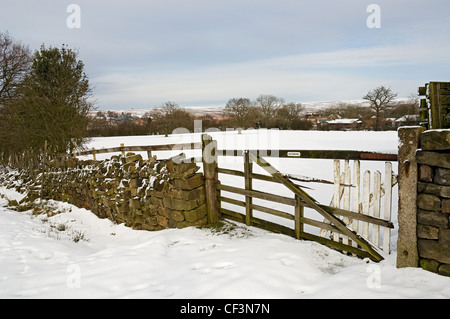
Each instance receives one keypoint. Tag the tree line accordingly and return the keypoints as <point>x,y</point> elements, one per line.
<point>266,111</point>
<point>44,102</point>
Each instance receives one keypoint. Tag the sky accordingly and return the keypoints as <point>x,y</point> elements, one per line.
<point>139,54</point>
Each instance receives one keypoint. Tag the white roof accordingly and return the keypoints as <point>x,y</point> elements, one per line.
<point>344,121</point>
<point>406,118</point>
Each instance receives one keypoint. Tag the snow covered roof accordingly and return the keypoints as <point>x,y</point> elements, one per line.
<point>344,121</point>
<point>407,118</point>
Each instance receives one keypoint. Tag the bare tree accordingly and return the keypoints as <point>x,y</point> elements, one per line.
<point>288,114</point>
<point>269,105</point>
<point>15,63</point>
<point>380,98</point>
<point>168,117</point>
<point>237,110</point>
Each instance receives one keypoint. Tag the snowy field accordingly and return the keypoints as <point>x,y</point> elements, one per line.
<point>73,254</point>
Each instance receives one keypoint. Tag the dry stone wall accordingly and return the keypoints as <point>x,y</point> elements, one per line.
<point>144,194</point>
<point>433,201</point>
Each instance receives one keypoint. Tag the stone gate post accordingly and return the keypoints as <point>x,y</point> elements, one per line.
<point>407,252</point>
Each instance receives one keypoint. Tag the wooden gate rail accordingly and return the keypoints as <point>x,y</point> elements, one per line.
<point>304,154</point>
<point>146,148</point>
<point>358,245</point>
<point>315,154</point>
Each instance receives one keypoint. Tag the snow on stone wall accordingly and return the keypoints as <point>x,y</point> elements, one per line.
<point>143,194</point>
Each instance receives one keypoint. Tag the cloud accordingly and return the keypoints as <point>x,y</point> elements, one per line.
<point>202,52</point>
<point>343,74</point>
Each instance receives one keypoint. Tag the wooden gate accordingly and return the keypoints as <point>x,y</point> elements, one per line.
<point>339,221</point>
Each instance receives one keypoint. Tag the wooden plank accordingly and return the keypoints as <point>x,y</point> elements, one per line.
<point>346,199</point>
<point>356,193</point>
<point>445,86</point>
<point>445,99</point>
<point>261,177</point>
<point>337,245</point>
<point>316,154</point>
<point>232,215</point>
<point>434,94</point>
<point>337,190</point>
<point>259,223</point>
<point>319,224</point>
<point>313,204</point>
<point>146,148</point>
<point>258,194</point>
<point>231,201</point>
<point>299,215</point>
<point>366,203</point>
<point>272,211</point>
<point>273,227</point>
<point>387,206</point>
<point>376,207</point>
<point>248,169</point>
<point>359,217</point>
<point>230,172</point>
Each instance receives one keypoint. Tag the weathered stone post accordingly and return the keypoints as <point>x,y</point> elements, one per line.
<point>407,252</point>
<point>210,170</point>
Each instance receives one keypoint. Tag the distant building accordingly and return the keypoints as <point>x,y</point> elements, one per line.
<point>389,123</point>
<point>342,125</point>
<point>407,120</point>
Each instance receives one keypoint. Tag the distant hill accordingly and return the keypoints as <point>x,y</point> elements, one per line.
<point>217,110</point>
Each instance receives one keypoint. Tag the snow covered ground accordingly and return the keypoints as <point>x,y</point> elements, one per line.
<point>73,254</point>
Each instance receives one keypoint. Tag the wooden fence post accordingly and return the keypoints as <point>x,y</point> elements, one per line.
<point>248,170</point>
<point>435,105</point>
<point>407,251</point>
<point>210,170</point>
<point>337,191</point>
<point>347,191</point>
<point>387,206</point>
<point>376,206</point>
<point>299,214</point>
<point>44,168</point>
<point>366,203</point>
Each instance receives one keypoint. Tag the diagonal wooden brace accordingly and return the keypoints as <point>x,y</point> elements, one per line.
<point>312,203</point>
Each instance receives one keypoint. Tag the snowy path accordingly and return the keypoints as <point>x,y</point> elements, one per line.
<point>39,261</point>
